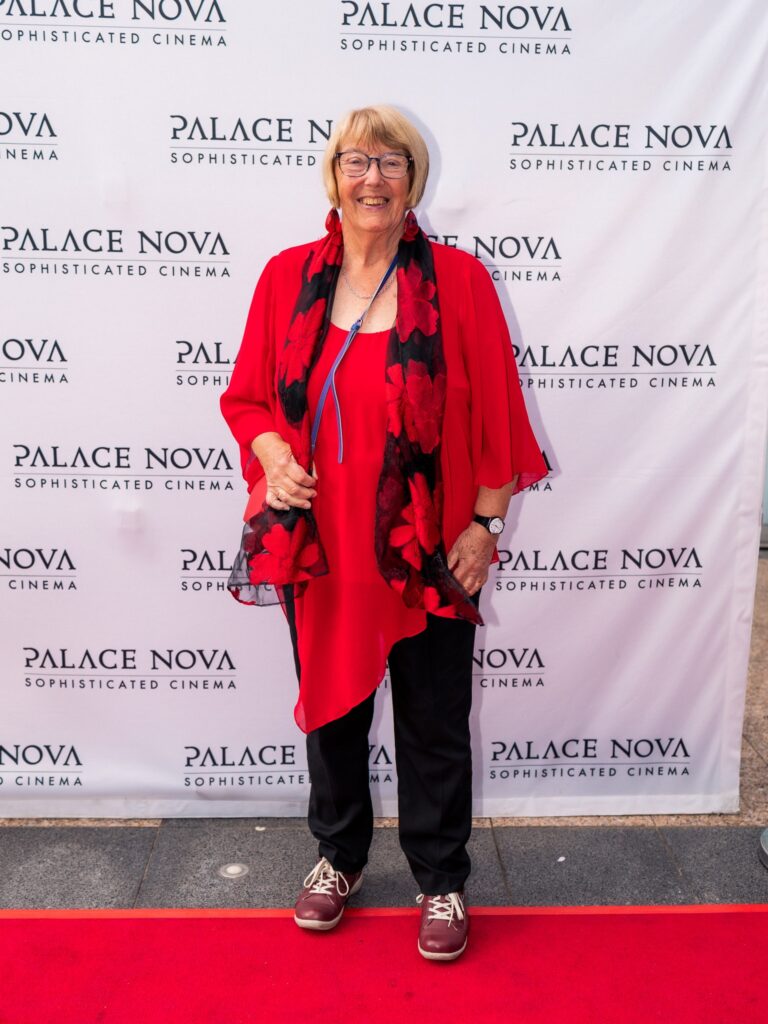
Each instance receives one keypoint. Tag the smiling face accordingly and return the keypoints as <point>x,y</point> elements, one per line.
<point>372,203</point>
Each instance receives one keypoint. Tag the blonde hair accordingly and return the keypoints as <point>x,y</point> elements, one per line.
<point>380,125</point>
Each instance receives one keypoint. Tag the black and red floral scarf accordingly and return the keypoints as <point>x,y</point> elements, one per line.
<point>284,547</point>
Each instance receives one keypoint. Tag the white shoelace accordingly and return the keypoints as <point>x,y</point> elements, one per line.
<point>323,877</point>
<point>443,908</point>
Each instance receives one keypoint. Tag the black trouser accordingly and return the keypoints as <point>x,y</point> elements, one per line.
<point>431,678</point>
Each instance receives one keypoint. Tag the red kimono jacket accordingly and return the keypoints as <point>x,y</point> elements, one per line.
<point>348,620</point>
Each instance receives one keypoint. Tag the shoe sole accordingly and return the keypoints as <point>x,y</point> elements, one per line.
<point>325,926</point>
<point>442,956</point>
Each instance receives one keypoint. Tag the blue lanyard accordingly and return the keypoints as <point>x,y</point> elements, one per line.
<point>330,381</point>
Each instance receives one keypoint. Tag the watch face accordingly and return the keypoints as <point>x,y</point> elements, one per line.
<point>496,525</point>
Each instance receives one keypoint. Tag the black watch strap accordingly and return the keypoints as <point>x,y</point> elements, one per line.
<point>487,520</point>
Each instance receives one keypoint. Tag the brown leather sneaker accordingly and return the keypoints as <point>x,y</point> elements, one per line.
<point>444,926</point>
<point>322,900</point>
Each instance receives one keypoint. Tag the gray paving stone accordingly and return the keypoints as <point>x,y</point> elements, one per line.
<point>722,863</point>
<point>487,886</point>
<point>183,869</point>
<point>296,823</point>
<point>62,866</point>
<point>586,865</point>
<point>389,882</point>
<point>72,867</point>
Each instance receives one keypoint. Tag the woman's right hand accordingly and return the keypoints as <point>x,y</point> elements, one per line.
<point>288,485</point>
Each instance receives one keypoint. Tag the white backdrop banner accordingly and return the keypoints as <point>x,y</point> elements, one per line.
<point>606,161</point>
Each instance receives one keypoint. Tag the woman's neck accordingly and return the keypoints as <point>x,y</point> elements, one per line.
<point>365,249</point>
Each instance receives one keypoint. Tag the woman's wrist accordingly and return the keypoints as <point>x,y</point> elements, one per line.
<point>482,534</point>
<point>265,446</point>
<point>266,437</point>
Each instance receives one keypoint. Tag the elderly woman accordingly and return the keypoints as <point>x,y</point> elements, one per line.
<point>382,430</point>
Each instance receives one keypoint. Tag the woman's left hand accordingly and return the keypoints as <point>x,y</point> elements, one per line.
<point>470,557</point>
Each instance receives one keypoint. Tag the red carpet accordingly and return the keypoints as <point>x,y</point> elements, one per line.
<point>576,965</point>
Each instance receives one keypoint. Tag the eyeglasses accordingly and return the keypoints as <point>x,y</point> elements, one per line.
<point>355,164</point>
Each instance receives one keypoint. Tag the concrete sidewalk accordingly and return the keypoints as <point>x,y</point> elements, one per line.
<point>657,859</point>
<point>177,863</point>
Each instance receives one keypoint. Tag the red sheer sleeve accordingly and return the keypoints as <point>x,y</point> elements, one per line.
<point>248,402</point>
<point>503,443</point>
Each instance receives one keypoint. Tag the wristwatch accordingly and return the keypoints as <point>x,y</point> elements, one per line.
<point>493,524</point>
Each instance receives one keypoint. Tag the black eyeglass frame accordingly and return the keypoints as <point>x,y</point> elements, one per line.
<point>372,159</point>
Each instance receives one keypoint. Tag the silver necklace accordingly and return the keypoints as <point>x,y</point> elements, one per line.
<point>348,283</point>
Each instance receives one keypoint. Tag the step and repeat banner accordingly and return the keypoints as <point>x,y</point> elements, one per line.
<point>606,162</point>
